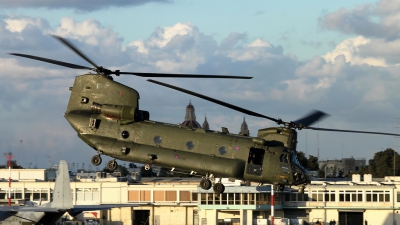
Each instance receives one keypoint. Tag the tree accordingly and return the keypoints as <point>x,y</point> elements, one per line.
<point>312,163</point>
<point>382,163</point>
<point>302,159</point>
<point>147,173</point>
<point>164,172</point>
<point>123,170</point>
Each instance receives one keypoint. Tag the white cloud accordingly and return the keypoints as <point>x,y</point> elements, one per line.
<point>352,78</point>
<point>350,49</point>
<point>18,24</point>
<point>260,43</point>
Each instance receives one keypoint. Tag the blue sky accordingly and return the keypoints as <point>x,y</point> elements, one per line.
<point>338,57</point>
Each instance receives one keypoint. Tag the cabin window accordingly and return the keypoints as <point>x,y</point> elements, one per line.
<point>125,134</point>
<point>190,145</point>
<point>222,150</point>
<point>256,156</point>
<point>157,140</point>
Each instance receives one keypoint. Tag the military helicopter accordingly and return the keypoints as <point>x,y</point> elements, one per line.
<point>106,116</point>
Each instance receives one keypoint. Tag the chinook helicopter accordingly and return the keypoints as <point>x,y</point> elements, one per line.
<point>106,116</point>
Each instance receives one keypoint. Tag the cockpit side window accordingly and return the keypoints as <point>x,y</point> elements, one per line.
<point>283,158</point>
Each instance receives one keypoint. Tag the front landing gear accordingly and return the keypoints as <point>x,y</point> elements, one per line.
<point>112,165</point>
<point>96,160</point>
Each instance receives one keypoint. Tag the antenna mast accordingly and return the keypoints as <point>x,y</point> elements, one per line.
<point>9,157</point>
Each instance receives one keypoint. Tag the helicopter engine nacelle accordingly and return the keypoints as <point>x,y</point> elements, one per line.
<point>279,136</point>
<point>115,112</point>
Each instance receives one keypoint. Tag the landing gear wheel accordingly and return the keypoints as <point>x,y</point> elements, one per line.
<point>219,188</point>
<point>205,184</point>
<point>112,165</point>
<point>96,160</point>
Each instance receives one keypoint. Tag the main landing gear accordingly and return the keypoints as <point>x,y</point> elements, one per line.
<point>96,160</point>
<point>111,165</point>
<point>206,184</point>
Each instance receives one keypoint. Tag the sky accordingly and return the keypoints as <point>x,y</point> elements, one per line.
<point>340,57</point>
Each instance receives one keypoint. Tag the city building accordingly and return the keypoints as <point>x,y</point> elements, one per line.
<point>341,168</point>
<point>179,201</point>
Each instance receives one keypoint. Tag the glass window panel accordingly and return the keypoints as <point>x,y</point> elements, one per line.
<point>203,197</point>
<point>36,196</point>
<point>320,197</point>
<point>359,197</point>
<point>230,198</point>
<point>210,199</point>
<point>27,196</point>
<point>194,196</point>
<point>374,197</point>
<point>237,199</point>
<point>251,199</point>
<point>347,197</point>
<point>287,197</point>
<point>333,196</point>
<point>245,199</point>
<point>387,197</point>
<point>217,199</point>
<point>293,197</point>
<point>18,195</point>
<point>313,197</point>
<point>224,197</point>
<point>341,196</point>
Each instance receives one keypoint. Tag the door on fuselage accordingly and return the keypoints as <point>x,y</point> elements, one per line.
<point>255,161</point>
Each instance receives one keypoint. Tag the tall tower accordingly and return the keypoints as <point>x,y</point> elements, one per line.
<point>190,117</point>
<point>244,129</point>
<point>205,123</point>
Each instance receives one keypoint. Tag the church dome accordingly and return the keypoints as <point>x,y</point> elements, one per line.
<point>190,117</point>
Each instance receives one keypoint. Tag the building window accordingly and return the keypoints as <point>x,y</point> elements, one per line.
<point>317,195</point>
<point>36,194</point>
<point>194,197</point>
<point>263,198</point>
<point>237,199</point>
<point>158,196</point>
<point>170,196</point>
<point>203,197</point>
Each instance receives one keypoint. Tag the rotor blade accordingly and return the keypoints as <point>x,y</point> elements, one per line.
<point>311,118</point>
<point>248,112</point>
<point>167,75</point>
<point>350,131</point>
<point>69,65</point>
<point>76,50</point>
